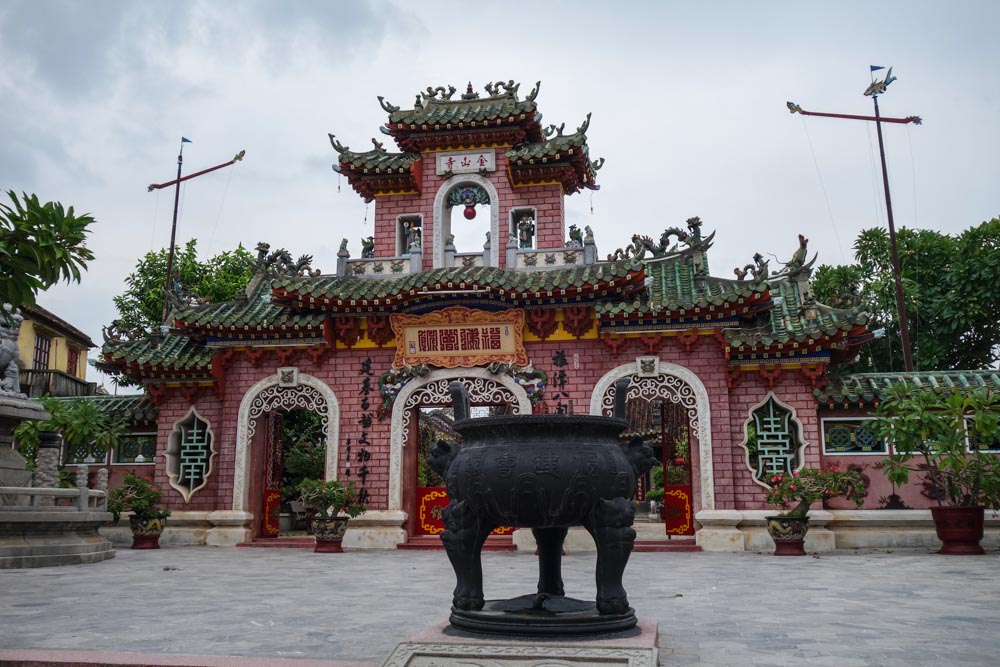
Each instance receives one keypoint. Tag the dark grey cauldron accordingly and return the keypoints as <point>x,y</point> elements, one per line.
<point>547,473</point>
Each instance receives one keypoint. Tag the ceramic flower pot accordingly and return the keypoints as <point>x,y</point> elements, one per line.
<point>146,531</point>
<point>788,533</point>
<point>960,530</point>
<point>329,534</point>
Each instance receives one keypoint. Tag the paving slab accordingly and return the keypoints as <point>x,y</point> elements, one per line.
<point>876,609</point>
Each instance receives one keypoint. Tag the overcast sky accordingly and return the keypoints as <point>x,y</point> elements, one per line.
<point>688,103</point>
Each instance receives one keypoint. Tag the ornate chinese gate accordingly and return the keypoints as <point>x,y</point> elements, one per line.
<point>664,408</point>
<point>431,501</point>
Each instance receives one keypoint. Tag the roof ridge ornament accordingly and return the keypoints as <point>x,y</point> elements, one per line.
<point>642,245</point>
<point>379,146</point>
<point>469,94</point>
<point>502,89</point>
<point>432,92</point>
<point>553,129</point>
<point>534,92</point>
<point>280,263</point>
<point>337,146</point>
<point>586,123</point>
<point>386,106</point>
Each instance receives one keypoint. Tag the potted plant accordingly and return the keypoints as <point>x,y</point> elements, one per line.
<point>802,488</point>
<point>140,497</point>
<point>330,500</point>
<point>943,435</point>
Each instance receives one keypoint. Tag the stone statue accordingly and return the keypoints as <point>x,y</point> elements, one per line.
<point>368,247</point>
<point>10,323</point>
<point>526,233</point>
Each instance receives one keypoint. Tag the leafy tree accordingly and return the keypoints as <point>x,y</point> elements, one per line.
<point>951,284</point>
<point>304,450</point>
<point>40,244</point>
<point>80,422</point>
<point>140,306</point>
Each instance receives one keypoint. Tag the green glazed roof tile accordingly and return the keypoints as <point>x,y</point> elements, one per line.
<point>867,388</point>
<point>537,283</point>
<point>130,407</point>
<point>254,311</point>
<point>444,112</point>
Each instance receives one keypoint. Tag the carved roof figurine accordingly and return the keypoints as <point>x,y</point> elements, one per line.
<point>368,247</point>
<point>758,270</point>
<point>280,263</point>
<point>575,237</point>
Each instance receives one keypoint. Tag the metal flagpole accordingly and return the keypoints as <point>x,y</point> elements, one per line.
<point>173,231</point>
<point>173,227</point>
<point>874,90</point>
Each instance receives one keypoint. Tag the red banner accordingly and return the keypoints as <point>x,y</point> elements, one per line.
<point>677,510</point>
<point>431,502</point>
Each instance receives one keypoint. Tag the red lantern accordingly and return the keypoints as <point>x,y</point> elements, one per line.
<point>680,461</point>
<point>470,212</point>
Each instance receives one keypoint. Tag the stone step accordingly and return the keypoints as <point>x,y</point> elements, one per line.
<point>280,543</point>
<point>666,545</point>
<point>433,543</point>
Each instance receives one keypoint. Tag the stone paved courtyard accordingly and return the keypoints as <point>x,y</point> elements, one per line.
<point>839,609</point>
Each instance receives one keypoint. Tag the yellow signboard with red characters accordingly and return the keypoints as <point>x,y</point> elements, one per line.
<point>459,337</point>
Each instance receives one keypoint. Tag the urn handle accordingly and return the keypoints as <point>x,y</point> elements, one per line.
<point>621,395</point>
<point>459,400</point>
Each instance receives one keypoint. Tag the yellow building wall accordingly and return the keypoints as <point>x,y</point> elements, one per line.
<point>58,353</point>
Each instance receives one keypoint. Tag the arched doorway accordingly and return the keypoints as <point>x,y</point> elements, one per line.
<point>652,380</point>
<point>485,389</point>
<point>443,217</point>
<point>257,437</point>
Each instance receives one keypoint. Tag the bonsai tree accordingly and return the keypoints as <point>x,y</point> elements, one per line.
<point>655,492</point>
<point>139,496</point>
<point>806,486</point>
<point>330,498</point>
<point>943,434</point>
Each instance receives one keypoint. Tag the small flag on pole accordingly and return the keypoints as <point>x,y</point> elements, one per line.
<point>876,68</point>
<point>185,140</point>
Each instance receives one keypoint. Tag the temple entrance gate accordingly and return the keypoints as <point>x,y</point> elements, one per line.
<point>257,478</point>
<point>652,381</point>
<point>485,389</point>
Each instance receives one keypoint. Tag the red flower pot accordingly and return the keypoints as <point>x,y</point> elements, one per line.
<point>960,530</point>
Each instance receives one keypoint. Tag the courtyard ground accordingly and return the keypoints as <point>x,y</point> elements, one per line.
<point>839,609</point>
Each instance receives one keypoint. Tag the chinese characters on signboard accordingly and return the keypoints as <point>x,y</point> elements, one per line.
<point>459,337</point>
<point>467,162</point>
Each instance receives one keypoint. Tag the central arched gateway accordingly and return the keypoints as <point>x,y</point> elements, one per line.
<point>285,390</point>
<point>654,378</point>
<point>432,389</point>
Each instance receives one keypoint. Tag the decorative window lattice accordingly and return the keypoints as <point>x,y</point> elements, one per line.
<point>85,454</point>
<point>775,443</point>
<point>189,455</point>
<point>851,436</point>
<point>136,448</point>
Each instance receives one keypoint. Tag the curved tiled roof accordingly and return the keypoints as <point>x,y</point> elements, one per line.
<point>868,388</point>
<point>435,113</point>
<point>346,293</point>
<point>130,407</point>
<point>791,321</point>
<point>376,162</point>
<point>147,355</point>
<point>255,313</point>
<point>674,289</point>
